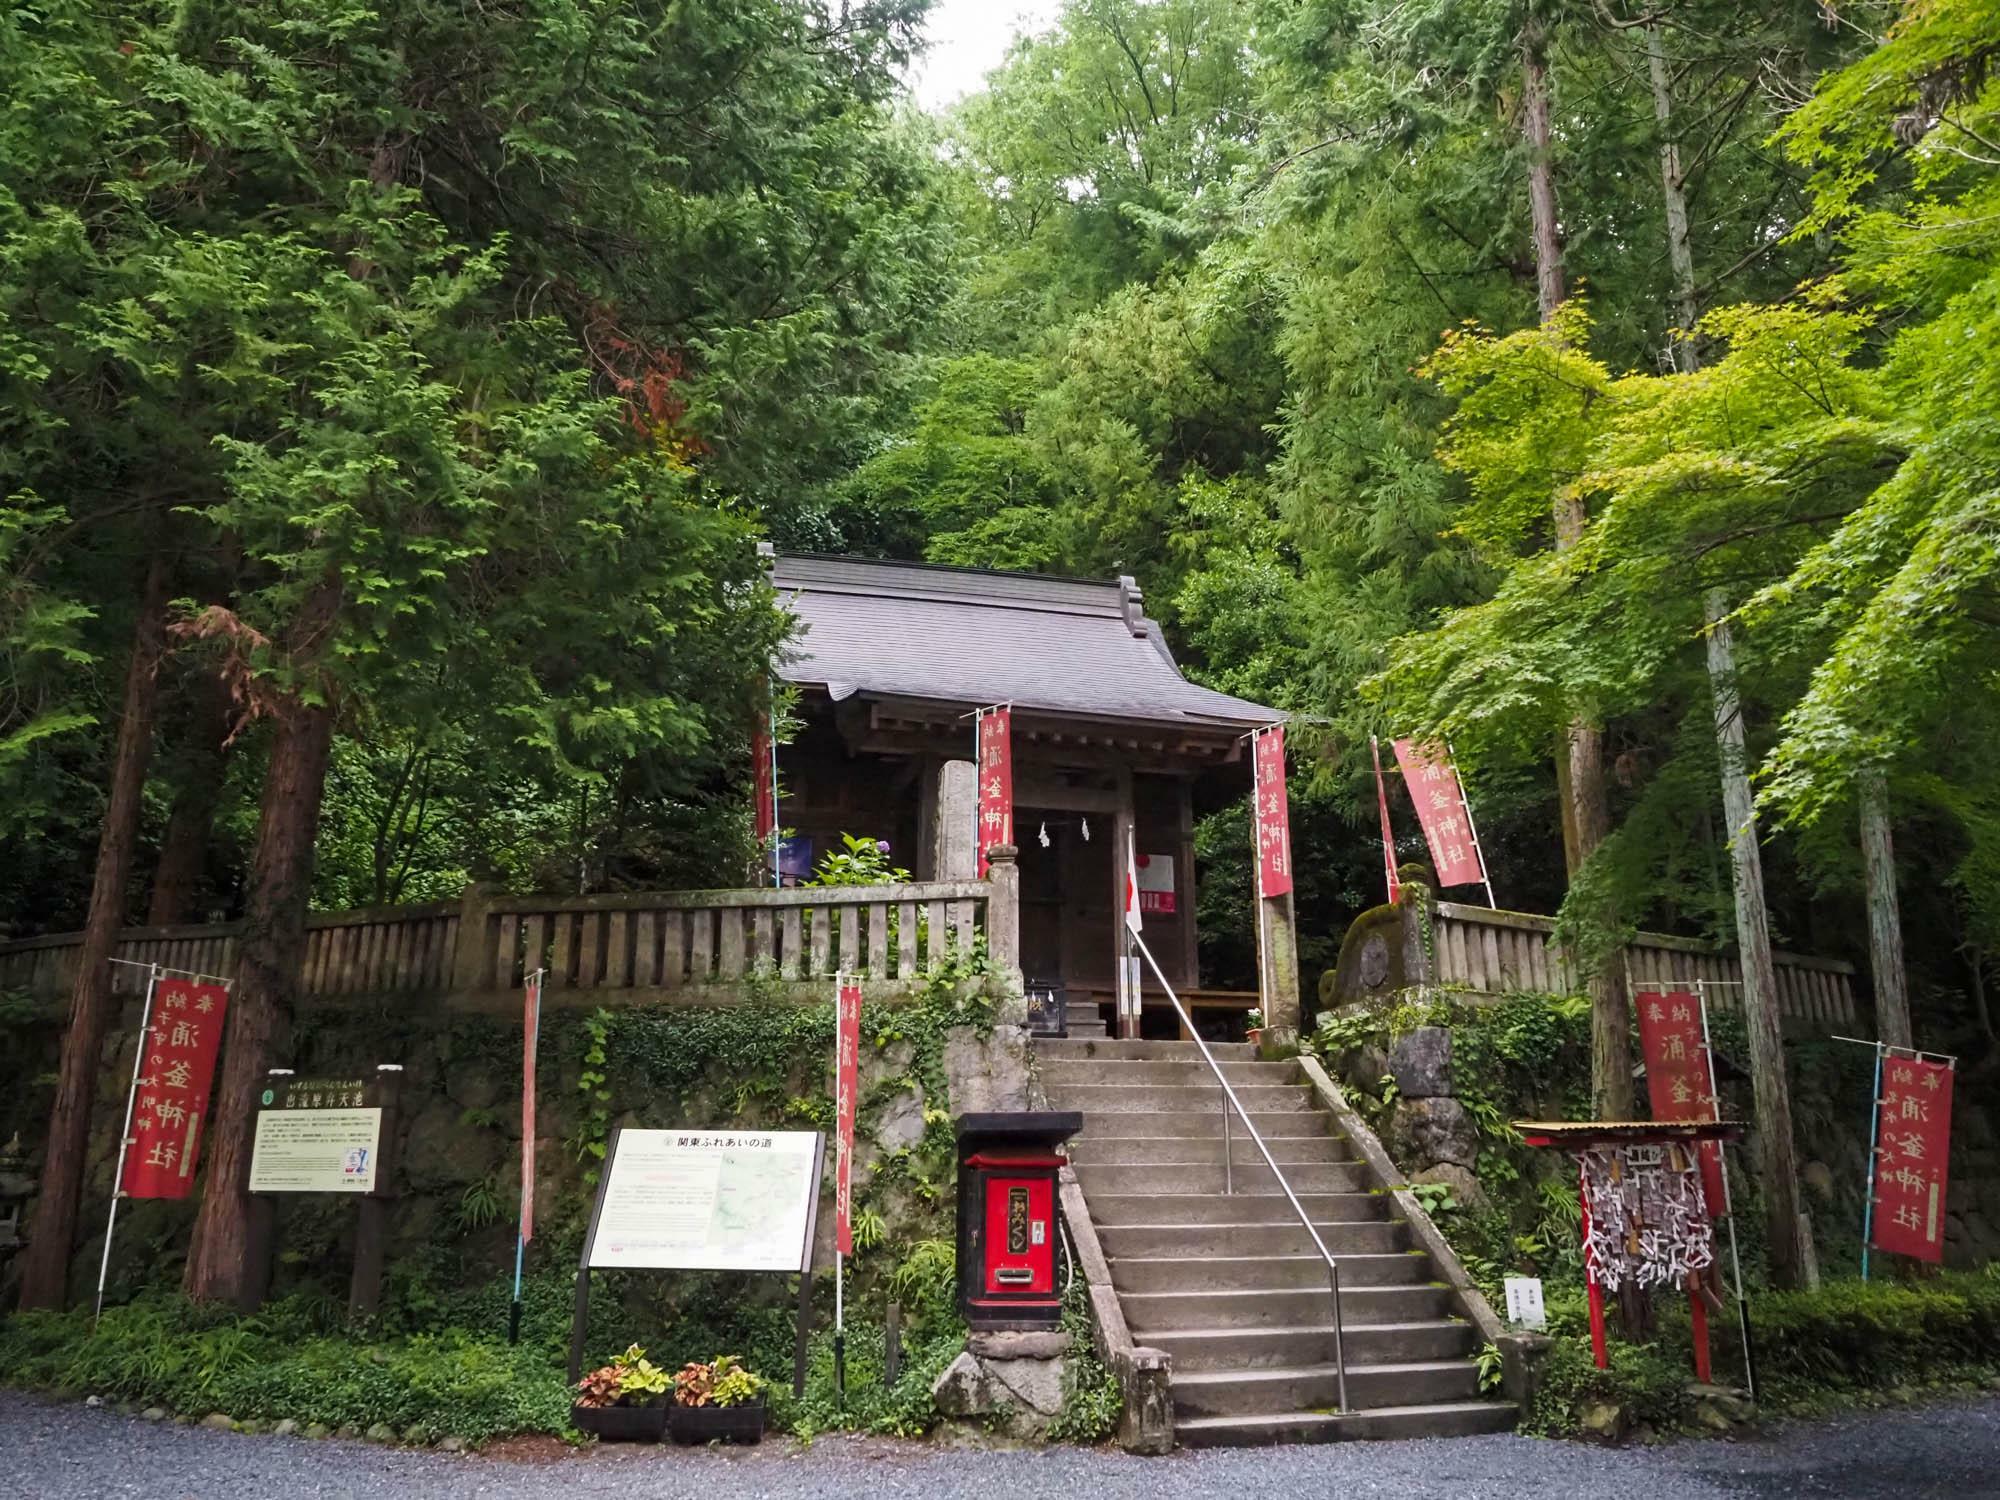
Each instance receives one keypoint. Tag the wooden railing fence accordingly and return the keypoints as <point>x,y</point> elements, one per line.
<point>1501,952</point>
<point>705,944</point>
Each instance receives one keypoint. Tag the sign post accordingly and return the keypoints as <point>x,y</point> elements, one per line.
<point>330,1134</point>
<point>173,1067</point>
<point>531,1035</point>
<point>703,1200</point>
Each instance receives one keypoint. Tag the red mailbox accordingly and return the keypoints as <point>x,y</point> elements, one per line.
<point>1007,1231</point>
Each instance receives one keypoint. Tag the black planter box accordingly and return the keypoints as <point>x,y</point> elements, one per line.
<point>720,1424</point>
<point>622,1424</point>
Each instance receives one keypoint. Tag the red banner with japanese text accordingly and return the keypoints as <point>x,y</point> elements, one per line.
<point>531,1036</point>
<point>181,1040</point>
<point>1912,1142</point>
<point>1679,1078</point>
<point>1273,813</point>
<point>1440,802</point>
<point>996,780</point>
<point>846,1077</point>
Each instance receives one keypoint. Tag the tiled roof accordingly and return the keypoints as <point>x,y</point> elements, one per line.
<point>963,635</point>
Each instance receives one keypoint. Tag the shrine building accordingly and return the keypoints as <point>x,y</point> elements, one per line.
<point>891,661</point>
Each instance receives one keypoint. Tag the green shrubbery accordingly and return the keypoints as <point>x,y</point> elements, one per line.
<point>1847,1342</point>
<point>283,1363</point>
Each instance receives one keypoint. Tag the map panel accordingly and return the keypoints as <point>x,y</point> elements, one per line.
<point>707,1200</point>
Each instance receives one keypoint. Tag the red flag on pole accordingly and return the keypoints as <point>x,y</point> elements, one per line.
<point>178,1050</point>
<point>1679,1077</point>
<point>847,1067</point>
<point>1912,1144</point>
<point>766,812</point>
<point>996,780</point>
<point>1388,833</point>
<point>531,1036</point>
<point>1273,823</point>
<point>1440,800</point>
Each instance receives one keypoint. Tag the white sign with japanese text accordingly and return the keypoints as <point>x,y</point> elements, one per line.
<point>315,1150</point>
<point>1524,1303</point>
<point>707,1200</point>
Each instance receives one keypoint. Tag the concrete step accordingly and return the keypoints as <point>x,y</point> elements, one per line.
<point>1074,1047</point>
<point>1153,1240</point>
<point>1243,1177</point>
<point>1292,1388</point>
<point>1082,1028</point>
<point>1180,1150</point>
<point>1200,1124</point>
<point>1116,1098</point>
<point>1312,1344</point>
<point>1063,1072</point>
<point>1236,1273</point>
<point>1452,1419</point>
<point>1289,1307</point>
<point>1237,1208</point>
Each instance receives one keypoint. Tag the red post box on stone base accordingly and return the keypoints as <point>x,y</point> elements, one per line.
<point>1007,1205</point>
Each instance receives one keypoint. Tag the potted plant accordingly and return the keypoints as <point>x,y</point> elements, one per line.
<point>718,1402</point>
<point>624,1401</point>
<point>1253,1026</point>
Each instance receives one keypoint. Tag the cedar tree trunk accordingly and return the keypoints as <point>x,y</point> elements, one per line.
<point>1885,926</point>
<point>45,1264</point>
<point>1580,769</point>
<point>184,848</point>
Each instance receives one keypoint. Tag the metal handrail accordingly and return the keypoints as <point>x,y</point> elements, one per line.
<point>1332,1265</point>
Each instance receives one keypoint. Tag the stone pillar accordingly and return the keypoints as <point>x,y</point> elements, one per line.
<point>472,952</point>
<point>1003,913</point>
<point>1281,970</point>
<point>955,829</point>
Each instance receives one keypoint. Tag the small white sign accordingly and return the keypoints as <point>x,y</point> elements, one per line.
<point>315,1151</point>
<point>1524,1303</point>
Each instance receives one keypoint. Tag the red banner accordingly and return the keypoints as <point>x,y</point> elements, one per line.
<point>1912,1142</point>
<point>996,781</point>
<point>180,1041</point>
<point>1273,813</point>
<point>1388,833</point>
<point>1679,1077</point>
<point>531,1036</point>
<point>767,809</point>
<point>846,1074</point>
<point>1440,801</point>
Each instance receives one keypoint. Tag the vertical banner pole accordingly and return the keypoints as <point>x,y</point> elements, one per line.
<point>771,735</point>
<point>1471,828</point>
<point>846,1087</point>
<point>1874,1143</point>
<point>531,1035</point>
<point>1728,1204</point>
<point>1388,833</point>
<point>125,1137</point>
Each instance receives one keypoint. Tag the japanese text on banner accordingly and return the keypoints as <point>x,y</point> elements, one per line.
<point>1273,824</point>
<point>1678,1075</point>
<point>847,1067</point>
<point>996,781</point>
<point>1912,1142</point>
<point>1440,802</point>
<point>178,1048</point>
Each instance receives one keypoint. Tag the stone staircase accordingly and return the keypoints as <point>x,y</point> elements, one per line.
<point>1229,1285</point>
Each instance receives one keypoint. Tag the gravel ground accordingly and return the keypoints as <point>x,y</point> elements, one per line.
<point>53,1451</point>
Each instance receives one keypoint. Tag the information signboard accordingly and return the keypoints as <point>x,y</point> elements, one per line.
<point>707,1200</point>
<point>317,1135</point>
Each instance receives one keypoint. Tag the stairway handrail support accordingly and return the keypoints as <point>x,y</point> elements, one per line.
<point>1332,1264</point>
